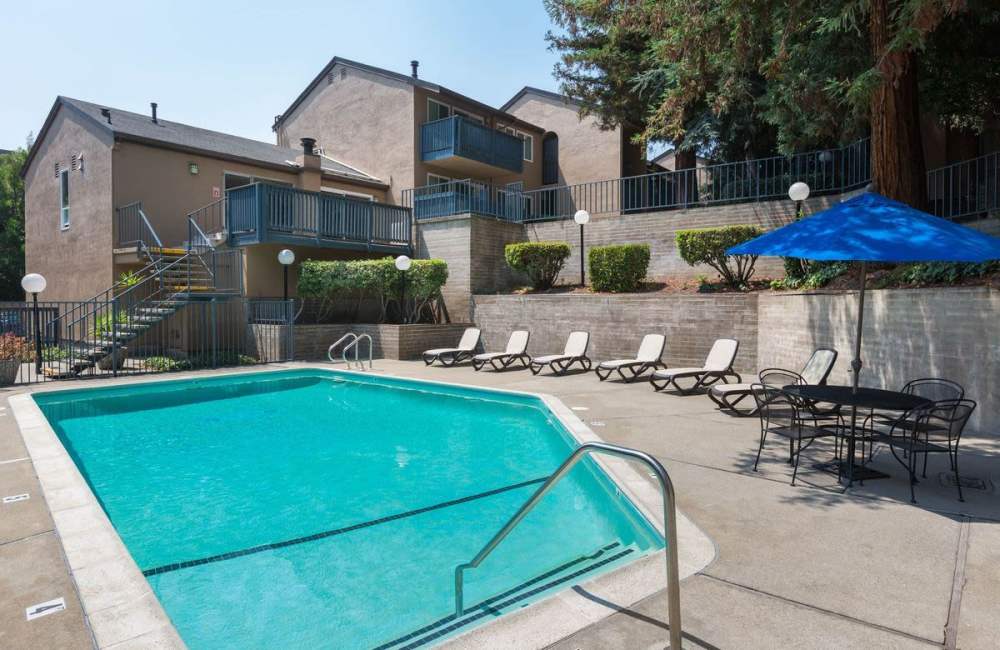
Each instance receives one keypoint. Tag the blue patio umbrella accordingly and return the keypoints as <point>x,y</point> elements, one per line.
<point>873,228</point>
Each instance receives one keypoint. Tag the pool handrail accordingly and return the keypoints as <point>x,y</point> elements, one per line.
<point>329,350</point>
<point>356,345</point>
<point>669,525</point>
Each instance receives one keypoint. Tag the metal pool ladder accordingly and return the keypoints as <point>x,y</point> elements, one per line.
<point>669,525</point>
<point>354,342</point>
<point>356,345</point>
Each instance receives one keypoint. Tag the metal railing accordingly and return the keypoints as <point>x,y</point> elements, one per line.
<point>460,136</point>
<point>669,525</point>
<point>966,189</point>
<point>827,171</point>
<point>356,346</point>
<point>267,212</point>
<point>132,227</point>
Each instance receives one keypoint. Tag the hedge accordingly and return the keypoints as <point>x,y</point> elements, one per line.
<point>708,246</point>
<point>357,280</point>
<point>618,268</point>
<point>540,261</point>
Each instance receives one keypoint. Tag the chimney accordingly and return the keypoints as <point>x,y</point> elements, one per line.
<point>106,114</point>
<point>153,106</point>
<point>310,166</point>
<point>414,65</point>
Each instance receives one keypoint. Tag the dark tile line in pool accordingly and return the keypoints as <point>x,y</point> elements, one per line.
<point>486,611</point>
<point>489,601</point>
<point>166,568</point>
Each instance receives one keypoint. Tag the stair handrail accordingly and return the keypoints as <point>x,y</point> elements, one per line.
<point>356,345</point>
<point>329,350</point>
<point>669,525</point>
<point>108,296</point>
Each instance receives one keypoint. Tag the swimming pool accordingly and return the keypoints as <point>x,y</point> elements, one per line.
<point>325,509</point>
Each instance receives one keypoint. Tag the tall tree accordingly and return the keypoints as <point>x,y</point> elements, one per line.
<point>745,78</point>
<point>12,224</point>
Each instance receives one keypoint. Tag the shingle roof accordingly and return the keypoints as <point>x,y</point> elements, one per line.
<point>138,127</point>
<point>408,79</point>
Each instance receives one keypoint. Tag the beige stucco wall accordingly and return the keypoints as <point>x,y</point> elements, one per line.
<point>586,153</point>
<point>362,119</point>
<point>76,262</point>
<point>168,191</point>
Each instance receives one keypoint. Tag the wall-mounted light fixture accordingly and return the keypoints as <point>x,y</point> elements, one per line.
<point>193,168</point>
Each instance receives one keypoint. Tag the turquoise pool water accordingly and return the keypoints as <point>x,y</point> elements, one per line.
<point>328,510</point>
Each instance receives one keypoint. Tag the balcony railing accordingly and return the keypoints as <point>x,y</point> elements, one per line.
<point>963,190</point>
<point>457,136</point>
<point>264,212</point>
<point>966,189</point>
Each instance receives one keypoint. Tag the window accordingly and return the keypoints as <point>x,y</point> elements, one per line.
<point>529,146</point>
<point>64,199</point>
<point>468,116</point>
<point>550,159</point>
<point>434,179</point>
<point>437,110</point>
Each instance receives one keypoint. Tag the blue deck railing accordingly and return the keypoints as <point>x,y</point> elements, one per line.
<point>265,212</point>
<point>959,191</point>
<point>465,138</point>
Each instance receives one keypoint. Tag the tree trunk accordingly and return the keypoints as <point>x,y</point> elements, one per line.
<point>686,184</point>
<point>898,168</point>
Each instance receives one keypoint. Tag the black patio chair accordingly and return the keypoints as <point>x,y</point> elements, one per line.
<point>935,389</point>
<point>934,429</point>
<point>787,416</point>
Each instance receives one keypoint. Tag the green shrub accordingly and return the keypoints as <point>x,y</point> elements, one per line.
<point>166,364</point>
<point>357,280</point>
<point>815,276</point>
<point>541,261</point>
<point>618,268</point>
<point>923,273</point>
<point>708,246</point>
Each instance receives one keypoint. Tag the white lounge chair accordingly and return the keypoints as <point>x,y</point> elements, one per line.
<point>450,356</point>
<point>648,358</point>
<point>517,350</point>
<point>718,366</point>
<point>815,372</point>
<point>574,352</point>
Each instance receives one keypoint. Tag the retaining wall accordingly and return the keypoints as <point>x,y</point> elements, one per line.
<point>908,333</point>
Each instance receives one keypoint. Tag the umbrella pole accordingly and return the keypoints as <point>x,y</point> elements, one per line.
<point>856,368</point>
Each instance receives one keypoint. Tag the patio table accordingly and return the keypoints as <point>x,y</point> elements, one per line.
<point>860,398</point>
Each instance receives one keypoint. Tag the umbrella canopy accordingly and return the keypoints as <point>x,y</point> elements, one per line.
<point>872,228</point>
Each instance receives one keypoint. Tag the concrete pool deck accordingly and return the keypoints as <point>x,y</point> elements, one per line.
<point>808,566</point>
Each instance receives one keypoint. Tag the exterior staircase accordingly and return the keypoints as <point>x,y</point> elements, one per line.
<point>96,334</point>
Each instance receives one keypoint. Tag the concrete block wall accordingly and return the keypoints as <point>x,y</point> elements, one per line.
<point>617,323</point>
<point>659,228</point>
<point>908,334</point>
<point>473,248</point>
<point>389,341</point>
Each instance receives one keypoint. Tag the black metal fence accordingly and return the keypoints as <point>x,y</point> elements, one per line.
<point>196,334</point>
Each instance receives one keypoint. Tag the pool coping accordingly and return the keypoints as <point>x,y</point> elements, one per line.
<point>120,605</point>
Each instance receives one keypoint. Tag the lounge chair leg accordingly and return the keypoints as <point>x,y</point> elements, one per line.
<point>795,471</point>
<point>958,479</point>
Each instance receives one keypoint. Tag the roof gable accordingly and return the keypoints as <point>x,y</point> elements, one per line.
<point>141,128</point>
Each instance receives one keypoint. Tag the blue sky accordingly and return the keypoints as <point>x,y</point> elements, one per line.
<point>232,66</point>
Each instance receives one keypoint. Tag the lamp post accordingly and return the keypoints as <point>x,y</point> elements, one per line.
<point>285,258</point>
<point>582,217</point>
<point>798,192</point>
<point>34,283</point>
<point>403,263</point>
